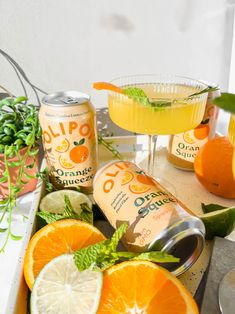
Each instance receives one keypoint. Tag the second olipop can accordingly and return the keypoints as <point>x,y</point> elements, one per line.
<point>69,139</point>
<point>157,220</point>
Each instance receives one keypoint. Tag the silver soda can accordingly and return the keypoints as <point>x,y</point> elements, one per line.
<point>69,139</point>
<point>157,220</point>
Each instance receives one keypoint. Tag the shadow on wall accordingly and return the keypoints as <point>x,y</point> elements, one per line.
<point>117,22</point>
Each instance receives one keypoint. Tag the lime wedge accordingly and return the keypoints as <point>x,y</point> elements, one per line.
<point>61,288</point>
<point>54,201</point>
<point>219,223</point>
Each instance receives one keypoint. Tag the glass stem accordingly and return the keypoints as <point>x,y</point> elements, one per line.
<point>152,144</point>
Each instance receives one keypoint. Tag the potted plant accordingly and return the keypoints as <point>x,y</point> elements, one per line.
<point>19,135</point>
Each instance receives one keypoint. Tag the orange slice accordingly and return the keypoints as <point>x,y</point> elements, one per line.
<point>188,138</point>
<point>63,236</point>
<point>65,163</point>
<point>144,287</point>
<point>138,189</point>
<point>128,177</point>
<point>63,147</point>
<point>107,86</point>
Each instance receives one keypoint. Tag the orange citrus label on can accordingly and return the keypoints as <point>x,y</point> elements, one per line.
<point>69,140</point>
<point>126,194</point>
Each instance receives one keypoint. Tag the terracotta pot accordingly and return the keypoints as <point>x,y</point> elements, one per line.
<point>28,187</point>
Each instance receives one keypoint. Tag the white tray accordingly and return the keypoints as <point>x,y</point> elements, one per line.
<point>181,183</point>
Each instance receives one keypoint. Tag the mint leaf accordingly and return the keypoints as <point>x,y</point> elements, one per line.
<point>205,90</point>
<point>137,94</point>
<point>49,217</point>
<point>88,256</point>
<point>116,237</point>
<point>211,207</point>
<point>103,254</point>
<point>86,214</point>
<point>226,101</point>
<point>157,257</point>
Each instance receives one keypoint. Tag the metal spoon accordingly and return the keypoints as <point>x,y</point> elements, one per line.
<point>227,293</point>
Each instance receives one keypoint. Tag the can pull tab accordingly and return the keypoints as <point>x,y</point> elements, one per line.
<point>69,100</point>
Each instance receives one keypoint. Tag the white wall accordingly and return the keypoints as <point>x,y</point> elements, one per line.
<point>69,44</point>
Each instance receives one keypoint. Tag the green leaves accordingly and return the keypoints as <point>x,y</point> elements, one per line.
<point>137,94</point>
<point>81,142</point>
<point>68,213</point>
<point>226,101</point>
<point>19,127</point>
<point>157,257</point>
<point>104,254</point>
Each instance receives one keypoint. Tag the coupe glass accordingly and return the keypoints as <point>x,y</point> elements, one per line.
<point>181,115</point>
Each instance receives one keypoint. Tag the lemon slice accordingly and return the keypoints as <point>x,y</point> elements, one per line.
<point>54,201</point>
<point>65,163</point>
<point>63,147</point>
<point>61,288</point>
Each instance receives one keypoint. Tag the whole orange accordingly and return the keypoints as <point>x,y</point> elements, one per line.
<point>213,167</point>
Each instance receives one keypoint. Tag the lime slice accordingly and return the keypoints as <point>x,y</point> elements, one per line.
<point>61,288</point>
<point>54,201</point>
<point>219,223</point>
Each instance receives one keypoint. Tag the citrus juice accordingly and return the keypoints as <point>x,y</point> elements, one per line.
<point>231,135</point>
<point>178,117</point>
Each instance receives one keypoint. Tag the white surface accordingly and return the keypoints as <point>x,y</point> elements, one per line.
<point>9,261</point>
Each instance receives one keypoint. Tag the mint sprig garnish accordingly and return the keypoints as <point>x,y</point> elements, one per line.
<point>104,254</point>
<point>226,102</point>
<point>86,213</point>
<point>138,95</point>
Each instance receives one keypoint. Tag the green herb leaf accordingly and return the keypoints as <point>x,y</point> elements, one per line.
<point>103,254</point>
<point>49,217</point>
<point>209,208</point>
<point>118,234</point>
<point>3,179</point>
<point>88,256</point>
<point>157,257</point>
<point>2,230</point>
<point>69,213</point>
<point>205,90</point>
<point>226,101</point>
<point>137,94</point>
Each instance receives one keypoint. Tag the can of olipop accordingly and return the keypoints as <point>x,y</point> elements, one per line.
<point>157,220</point>
<point>69,139</point>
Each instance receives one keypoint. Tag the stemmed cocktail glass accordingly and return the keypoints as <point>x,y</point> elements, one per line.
<point>174,105</point>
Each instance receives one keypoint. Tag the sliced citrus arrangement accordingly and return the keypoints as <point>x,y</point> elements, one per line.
<point>152,290</point>
<point>127,177</point>
<point>54,201</point>
<point>63,236</point>
<point>63,147</point>
<point>61,288</point>
<point>65,163</point>
<point>188,138</point>
<point>138,189</point>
